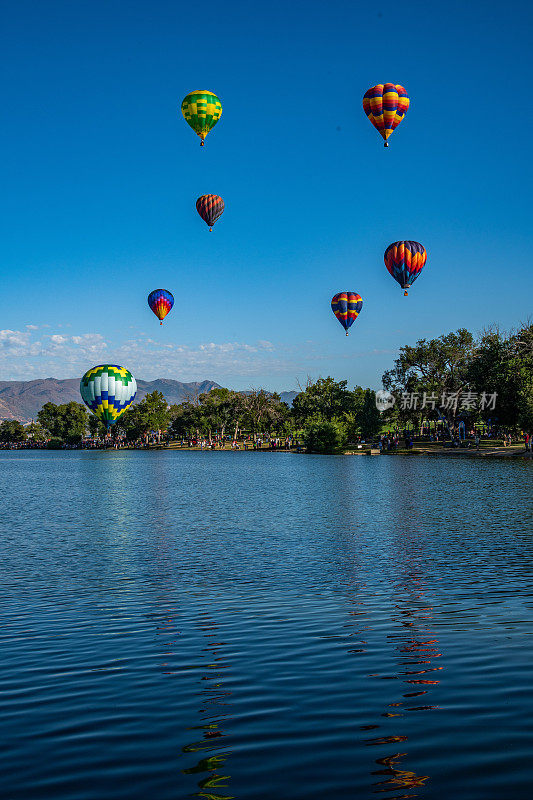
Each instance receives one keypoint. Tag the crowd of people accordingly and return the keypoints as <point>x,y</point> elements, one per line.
<point>390,441</point>
<point>262,442</point>
<point>405,439</point>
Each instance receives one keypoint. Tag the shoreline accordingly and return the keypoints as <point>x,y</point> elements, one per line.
<point>517,451</point>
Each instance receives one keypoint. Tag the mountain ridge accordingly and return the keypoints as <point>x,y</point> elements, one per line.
<point>23,400</point>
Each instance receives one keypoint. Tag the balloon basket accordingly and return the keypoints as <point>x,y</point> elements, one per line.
<point>405,294</point>
<point>385,144</point>
<point>202,143</point>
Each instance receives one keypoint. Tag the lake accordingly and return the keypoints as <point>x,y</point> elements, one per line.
<point>264,625</point>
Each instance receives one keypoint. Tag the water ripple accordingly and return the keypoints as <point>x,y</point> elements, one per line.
<point>180,625</point>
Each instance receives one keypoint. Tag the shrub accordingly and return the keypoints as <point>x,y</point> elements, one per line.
<point>11,430</point>
<point>324,437</point>
<point>55,443</point>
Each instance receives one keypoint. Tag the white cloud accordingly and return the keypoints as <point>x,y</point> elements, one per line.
<point>11,340</point>
<point>26,354</point>
<point>15,344</point>
<point>206,360</point>
<point>52,354</point>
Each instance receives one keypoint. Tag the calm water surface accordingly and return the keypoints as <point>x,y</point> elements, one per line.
<point>255,625</point>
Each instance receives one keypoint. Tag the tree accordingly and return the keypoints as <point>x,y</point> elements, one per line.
<point>522,368</point>
<point>323,436</point>
<point>367,416</point>
<point>96,427</point>
<point>489,372</point>
<point>503,365</point>
<point>326,399</point>
<point>525,416</point>
<point>67,422</point>
<point>331,401</point>
<point>151,414</point>
<point>521,376</point>
<point>263,410</point>
<point>155,412</point>
<point>220,408</point>
<point>11,430</point>
<point>36,432</point>
<point>439,367</point>
<point>131,424</point>
<point>186,420</point>
<point>50,418</point>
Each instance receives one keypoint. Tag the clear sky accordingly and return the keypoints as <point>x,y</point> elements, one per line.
<point>100,174</point>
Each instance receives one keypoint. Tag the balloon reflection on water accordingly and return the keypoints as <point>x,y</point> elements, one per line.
<point>417,650</point>
<point>213,712</point>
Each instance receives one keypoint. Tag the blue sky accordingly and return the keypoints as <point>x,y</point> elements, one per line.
<point>100,175</point>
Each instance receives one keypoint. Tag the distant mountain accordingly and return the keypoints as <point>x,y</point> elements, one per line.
<point>288,397</point>
<point>174,391</point>
<point>24,399</point>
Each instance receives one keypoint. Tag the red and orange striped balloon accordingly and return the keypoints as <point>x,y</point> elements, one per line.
<point>405,261</point>
<point>210,207</point>
<point>385,106</point>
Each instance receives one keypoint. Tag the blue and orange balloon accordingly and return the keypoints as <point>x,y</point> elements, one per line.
<point>405,261</point>
<point>161,302</point>
<point>346,307</point>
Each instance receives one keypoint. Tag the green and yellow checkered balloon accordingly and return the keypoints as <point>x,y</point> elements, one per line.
<point>108,390</point>
<point>202,110</point>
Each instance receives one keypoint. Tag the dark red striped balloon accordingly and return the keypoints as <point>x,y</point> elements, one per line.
<point>405,261</point>
<point>210,207</point>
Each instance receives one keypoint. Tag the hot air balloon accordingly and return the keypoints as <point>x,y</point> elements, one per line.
<point>202,110</point>
<point>385,106</point>
<point>108,390</point>
<point>161,302</point>
<point>405,261</point>
<point>210,207</point>
<point>346,307</point>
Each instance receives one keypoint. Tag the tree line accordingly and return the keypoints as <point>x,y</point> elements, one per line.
<point>455,377</point>
<point>325,414</point>
<point>460,377</point>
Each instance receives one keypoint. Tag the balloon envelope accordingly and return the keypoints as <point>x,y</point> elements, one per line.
<point>161,302</point>
<point>346,307</point>
<point>405,261</point>
<point>385,106</point>
<point>108,390</point>
<point>210,207</point>
<point>202,110</point>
